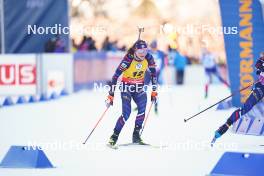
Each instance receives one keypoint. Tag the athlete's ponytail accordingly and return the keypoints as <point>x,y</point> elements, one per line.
<point>131,50</point>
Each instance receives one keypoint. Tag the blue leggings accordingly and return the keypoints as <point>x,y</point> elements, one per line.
<point>213,71</point>
<point>140,98</point>
<point>256,95</point>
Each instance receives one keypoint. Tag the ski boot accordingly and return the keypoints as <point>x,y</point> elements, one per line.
<point>113,139</point>
<point>156,109</point>
<point>218,133</point>
<point>136,136</point>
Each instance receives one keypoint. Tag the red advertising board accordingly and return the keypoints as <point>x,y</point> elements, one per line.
<point>18,74</point>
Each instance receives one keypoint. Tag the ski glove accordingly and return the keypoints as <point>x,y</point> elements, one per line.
<point>154,95</point>
<point>109,100</point>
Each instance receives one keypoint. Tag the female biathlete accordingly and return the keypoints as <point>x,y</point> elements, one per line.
<point>133,68</point>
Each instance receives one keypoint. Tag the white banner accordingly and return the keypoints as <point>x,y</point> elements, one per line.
<point>18,74</point>
<point>56,73</point>
<point>55,82</point>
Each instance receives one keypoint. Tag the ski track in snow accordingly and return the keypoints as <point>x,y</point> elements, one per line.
<point>68,120</point>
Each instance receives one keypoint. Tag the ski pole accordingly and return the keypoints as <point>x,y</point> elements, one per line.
<point>102,116</point>
<point>146,118</point>
<point>185,120</point>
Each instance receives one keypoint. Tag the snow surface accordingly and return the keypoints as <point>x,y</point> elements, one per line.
<point>68,120</point>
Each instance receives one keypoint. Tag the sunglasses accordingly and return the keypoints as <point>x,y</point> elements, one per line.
<point>142,51</point>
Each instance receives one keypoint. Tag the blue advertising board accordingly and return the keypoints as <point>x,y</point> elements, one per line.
<point>30,24</point>
<point>243,48</point>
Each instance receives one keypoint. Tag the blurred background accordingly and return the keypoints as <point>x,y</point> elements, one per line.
<point>188,39</point>
<point>203,50</point>
<point>112,25</point>
<point>171,23</point>
<point>98,33</point>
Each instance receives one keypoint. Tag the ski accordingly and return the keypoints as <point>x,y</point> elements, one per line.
<point>115,147</point>
<point>142,144</point>
<point>112,146</point>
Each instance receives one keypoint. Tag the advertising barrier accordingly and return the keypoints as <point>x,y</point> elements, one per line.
<point>18,74</point>
<point>91,67</point>
<point>28,25</point>
<point>242,51</point>
<point>56,73</point>
<point>34,77</point>
<point>243,48</point>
